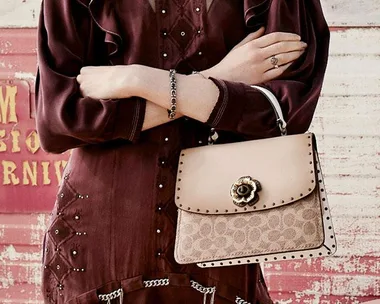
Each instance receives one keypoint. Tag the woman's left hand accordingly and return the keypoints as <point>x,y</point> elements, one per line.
<point>107,82</point>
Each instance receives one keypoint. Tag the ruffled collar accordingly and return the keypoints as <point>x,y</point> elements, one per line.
<point>103,14</point>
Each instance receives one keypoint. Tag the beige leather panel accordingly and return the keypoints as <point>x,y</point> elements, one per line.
<point>284,166</point>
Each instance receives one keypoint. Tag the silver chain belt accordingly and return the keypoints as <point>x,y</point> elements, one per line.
<point>205,291</point>
<point>156,283</point>
<point>111,296</point>
<point>165,282</point>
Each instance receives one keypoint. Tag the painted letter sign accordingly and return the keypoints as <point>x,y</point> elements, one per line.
<point>28,176</point>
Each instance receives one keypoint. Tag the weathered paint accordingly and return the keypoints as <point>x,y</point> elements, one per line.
<point>347,125</point>
<point>27,175</point>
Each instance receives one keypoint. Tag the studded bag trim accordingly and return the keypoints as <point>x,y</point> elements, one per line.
<point>253,201</point>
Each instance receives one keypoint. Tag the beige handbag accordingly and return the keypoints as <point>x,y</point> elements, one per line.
<point>253,201</point>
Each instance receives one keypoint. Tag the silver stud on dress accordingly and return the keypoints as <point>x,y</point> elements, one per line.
<point>183,33</point>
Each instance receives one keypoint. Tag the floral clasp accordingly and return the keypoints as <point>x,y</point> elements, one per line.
<point>244,191</point>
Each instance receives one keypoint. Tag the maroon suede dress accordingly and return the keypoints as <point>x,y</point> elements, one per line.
<point>112,229</point>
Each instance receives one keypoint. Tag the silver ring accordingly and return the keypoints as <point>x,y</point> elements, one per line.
<point>274,62</point>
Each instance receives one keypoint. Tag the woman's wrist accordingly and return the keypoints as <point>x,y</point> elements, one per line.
<point>133,80</point>
<point>207,73</point>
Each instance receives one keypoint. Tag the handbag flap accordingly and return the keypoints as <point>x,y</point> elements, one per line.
<point>246,176</point>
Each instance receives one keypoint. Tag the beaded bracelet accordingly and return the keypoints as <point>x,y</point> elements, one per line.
<point>173,94</point>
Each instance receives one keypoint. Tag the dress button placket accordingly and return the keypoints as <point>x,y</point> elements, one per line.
<point>162,164</point>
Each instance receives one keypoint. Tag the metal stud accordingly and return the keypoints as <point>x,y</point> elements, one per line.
<point>66,176</point>
<point>199,32</point>
<point>165,55</point>
<point>158,231</point>
<point>160,186</point>
<point>77,217</point>
<point>56,231</point>
<point>58,267</point>
<point>163,11</point>
<point>84,233</point>
<point>183,33</point>
<point>200,53</point>
<point>74,252</point>
<point>82,269</point>
<point>197,9</point>
<point>62,195</point>
<point>166,139</point>
<point>200,142</point>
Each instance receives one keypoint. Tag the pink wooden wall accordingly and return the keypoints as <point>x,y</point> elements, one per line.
<point>347,124</point>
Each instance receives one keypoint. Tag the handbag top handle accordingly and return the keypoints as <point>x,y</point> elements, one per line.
<point>276,107</point>
<point>277,110</point>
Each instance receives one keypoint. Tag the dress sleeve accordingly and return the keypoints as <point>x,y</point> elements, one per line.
<point>242,109</point>
<point>64,118</point>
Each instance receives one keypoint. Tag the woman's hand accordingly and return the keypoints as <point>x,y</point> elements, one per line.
<point>250,60</point>
<point>107,82</point>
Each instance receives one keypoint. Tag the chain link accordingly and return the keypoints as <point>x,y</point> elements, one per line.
<point>111,296</point>
<point>202,289</point>
<point>156,283</point>
<point>240,301</point>
<point>205,291</point>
